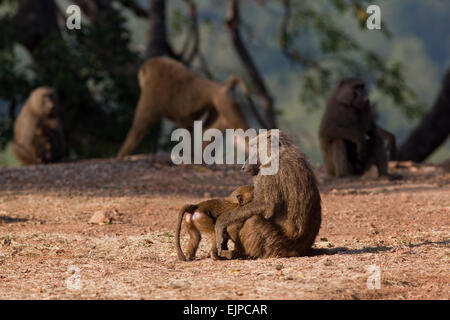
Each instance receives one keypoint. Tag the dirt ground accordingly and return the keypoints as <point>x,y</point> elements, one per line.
<point>397,229</point>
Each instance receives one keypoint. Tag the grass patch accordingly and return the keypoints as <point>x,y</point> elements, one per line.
<point>7,157</point>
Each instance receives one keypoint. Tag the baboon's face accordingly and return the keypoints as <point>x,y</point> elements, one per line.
<point>253,163</point>
<point>353,92</point>
<point>48,103</point>
<point>252,169</point>
<point>44,102</point>
<point>360,96</point>
<point>244,196</point>
<point>262,152</point>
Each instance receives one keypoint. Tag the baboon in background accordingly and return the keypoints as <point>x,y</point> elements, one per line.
<point>350,140</point>
<point>169,89</point>
<point>200,219</point>
<point>285,215</point>
<point>38,136</point>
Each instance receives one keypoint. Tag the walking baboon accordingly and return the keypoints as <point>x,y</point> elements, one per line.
<point>171,90</point>
<point>200,219</point>
<point>285,215</point>
<point>38,136</point>
<point>350,140</point>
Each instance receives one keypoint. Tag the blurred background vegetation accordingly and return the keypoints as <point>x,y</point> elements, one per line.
<point>291,53</point>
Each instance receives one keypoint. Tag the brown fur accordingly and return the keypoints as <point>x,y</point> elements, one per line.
<point>200,219</point>
<point>38,136</point>
<point>171,90</point>
<point>285,215</point>
<point>446,165</point>
<point>350,140</point>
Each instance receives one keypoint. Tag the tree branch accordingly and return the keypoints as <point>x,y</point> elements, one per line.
<point>188,57</point>
<point>432,131</point>
<point>204,66</point>
<point>136,8</point>
<point>285,42</point>
<point>89,8</point>
<point>12,109</point>
<point>232,24</point>
<point>158,44</point>
<point>284,36</point>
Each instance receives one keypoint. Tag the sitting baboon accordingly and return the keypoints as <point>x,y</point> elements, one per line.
<point>200,219</point>
<point>350,140</point>
<point>169,89</point>
<point>285,215</point>
<point>38,136</point>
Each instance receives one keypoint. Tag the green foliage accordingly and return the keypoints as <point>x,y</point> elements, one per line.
<point>94,73</point>
<point>13,83</point>
<point>313,40</point>
<point>6,157</point>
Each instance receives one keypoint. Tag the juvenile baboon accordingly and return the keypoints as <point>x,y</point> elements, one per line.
<point>171,90</point>
<point>350,140</point>
<point>200,219</point>
<point>285,215</point>
<point>38,136</point>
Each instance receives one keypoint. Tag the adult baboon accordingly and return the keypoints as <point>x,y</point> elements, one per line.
<point>169,89</point>
<point>285,215</point>
<point>38,136</point>
<point>200,219</point>
<point>350,140</point>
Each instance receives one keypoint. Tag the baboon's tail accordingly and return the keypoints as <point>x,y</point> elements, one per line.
<point>231,83</point>
<point>187,208</point>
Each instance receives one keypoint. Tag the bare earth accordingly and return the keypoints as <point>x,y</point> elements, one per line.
<point>49,251</point>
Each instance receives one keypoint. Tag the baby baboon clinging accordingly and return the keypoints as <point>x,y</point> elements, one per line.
<point>350,140</point>
<point>200,219</point>
<point>171,90</point>
<point>38,136</point>
<point>285,215</point>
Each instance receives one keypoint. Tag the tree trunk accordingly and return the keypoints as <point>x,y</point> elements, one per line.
<point>432,131</point>
<point>34,21</point>
<point>233,23</point>
<point>158,44</point>
<point>93,8</point>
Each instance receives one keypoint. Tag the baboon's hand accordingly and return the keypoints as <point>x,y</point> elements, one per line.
<point>219,237</point>
<point>219,248</point>
<point>227,255</point>
<point>268,213</point>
